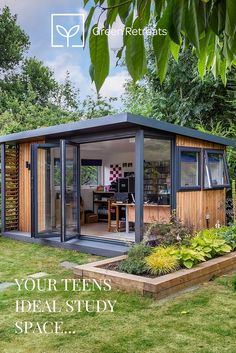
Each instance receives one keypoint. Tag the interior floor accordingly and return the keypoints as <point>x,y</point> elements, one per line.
<point>100,230</point>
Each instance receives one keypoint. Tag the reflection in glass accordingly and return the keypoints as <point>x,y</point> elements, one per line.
<point>217,170</point>
<point>157,171</point>
<point>71,190</point>
<point>49,191</point>
<point>189,169</point>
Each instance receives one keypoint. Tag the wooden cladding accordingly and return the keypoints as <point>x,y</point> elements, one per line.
<point>201,208</point>
<point>11,187</point>
<point>24,182</point>
<point>204,207</point>
<point>25,186</point>
<point>190,142</point>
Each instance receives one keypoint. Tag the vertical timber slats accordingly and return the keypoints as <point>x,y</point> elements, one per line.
<point>193,206</point>
<point>11,187</point>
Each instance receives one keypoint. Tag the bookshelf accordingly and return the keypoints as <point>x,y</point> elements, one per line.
<point>100,204</point>
<point>157,182</point>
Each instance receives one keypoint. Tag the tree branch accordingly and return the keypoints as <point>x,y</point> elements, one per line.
<point>114,6</point>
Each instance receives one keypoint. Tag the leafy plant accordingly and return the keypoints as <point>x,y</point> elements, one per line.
<point>134,266</point>
<point>188,257</point>
<point>234,200</point>
<point>161,261</point>
<point>135,262</point>
<point>210,243</point>
<point>229,235</point>
<point>173,233</point>
<point>207,25</point>
<point>139,251</point>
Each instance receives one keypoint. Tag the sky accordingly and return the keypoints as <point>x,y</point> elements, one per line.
<point>34,16</point>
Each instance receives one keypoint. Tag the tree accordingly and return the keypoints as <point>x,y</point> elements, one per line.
<point>30,95</point>
<point>13,40</point>
<point>183,98</point>
<point>208,25</point>
<point>94,107</point>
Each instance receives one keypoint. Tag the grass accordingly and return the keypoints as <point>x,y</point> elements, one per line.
<point>202,321</point>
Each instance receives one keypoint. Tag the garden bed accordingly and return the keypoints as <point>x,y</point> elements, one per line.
<point>158,287</point>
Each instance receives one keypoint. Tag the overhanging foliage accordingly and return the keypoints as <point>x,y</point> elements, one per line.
<point>209,25</point>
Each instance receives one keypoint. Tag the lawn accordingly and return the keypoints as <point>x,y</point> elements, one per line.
<point>203,320</point>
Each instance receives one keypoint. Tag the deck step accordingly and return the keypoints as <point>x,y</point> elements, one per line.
<point>100,248</point>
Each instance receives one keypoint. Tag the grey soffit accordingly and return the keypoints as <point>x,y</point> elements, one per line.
<point>123,120</point>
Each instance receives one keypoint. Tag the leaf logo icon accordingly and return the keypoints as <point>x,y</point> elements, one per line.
<point>68,34</point>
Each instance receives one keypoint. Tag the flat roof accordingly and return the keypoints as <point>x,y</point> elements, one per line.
<point>113,122</point>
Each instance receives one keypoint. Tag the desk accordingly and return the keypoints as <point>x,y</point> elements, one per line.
<point>152,213</point>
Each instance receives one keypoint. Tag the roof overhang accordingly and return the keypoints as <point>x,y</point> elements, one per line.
<point>123,120</point>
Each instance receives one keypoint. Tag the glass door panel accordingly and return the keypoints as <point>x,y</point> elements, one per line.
<point>71,190</point>
<point>55,190</point>
<point>47,191</point>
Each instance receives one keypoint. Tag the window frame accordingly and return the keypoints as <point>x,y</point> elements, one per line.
<point>99,178</point>
<point>206,167</point>
<point>189,188</point>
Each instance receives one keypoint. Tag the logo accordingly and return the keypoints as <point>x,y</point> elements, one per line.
<point>67,30</point>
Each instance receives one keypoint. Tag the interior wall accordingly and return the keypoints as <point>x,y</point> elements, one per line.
<point>109,154</point>
<point>118,158</point>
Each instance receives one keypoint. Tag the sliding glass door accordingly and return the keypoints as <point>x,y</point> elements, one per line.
<point>55,190</point>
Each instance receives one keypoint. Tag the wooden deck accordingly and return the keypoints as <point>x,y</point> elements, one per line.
<point>101,247</point>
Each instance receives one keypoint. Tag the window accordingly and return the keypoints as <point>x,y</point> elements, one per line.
<point>89,175</point>
<point>90,172</point>
<point>190,167</point>
<point>215,171</point>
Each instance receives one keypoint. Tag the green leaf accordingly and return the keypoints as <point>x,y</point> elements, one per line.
<point>203,55</point>
<point>112,12</point>
<point>128,24</point>
<point>230,24</point>
<point>188,264</point>
<point>217,17</point>
<point>177,20</point>
<point>175,48</point>
<point>123,11</point>
<point>87,23</point>
<point>161,44</point>
<point>91,72</point>
<point>191,23</point>
<point>226,248</point>
<point>119,55</point>
<point>99,54</point>
<point>143,8</point>
<point>135,53</point>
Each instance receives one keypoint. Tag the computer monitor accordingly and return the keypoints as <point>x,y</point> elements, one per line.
<point>123,185</point>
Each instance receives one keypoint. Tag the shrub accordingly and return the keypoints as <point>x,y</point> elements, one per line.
<point>210,243</point>
<point>135,262</point>
<point>140,250</point>
<point>134,266</point>
<point>188,257</point>
<point>229,235</point>
<point>161,261</point>
<point>172,233</point>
